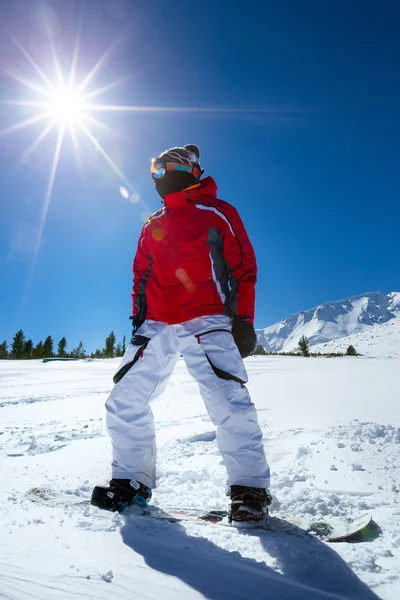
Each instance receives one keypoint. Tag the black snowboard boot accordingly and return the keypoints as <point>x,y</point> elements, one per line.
<point>120,494</point>
<point>248,504</point>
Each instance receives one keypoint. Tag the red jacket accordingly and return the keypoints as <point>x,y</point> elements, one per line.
<point>194,259</point>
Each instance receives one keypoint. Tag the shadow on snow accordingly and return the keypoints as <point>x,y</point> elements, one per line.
<point>308,568</point>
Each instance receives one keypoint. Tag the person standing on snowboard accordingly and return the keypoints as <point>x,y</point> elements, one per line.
<point>193,294</point>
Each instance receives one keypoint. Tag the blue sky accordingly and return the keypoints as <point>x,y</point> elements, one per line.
<point>303,139</point>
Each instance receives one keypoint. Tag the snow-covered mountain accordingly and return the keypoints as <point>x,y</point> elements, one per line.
<point>379,340</point>
<point>332,320</point>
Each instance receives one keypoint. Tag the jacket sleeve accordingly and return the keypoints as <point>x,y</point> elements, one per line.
<point>141,271</point>
<point>241,259</point>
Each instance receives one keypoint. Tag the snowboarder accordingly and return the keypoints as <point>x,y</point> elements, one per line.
<point>193,294</point>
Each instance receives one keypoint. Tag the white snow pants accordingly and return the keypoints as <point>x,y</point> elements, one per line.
<point>214,361</point>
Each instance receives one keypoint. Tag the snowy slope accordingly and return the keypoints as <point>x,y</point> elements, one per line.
<point>380,341</point>
<point>332,435</point>
<point>331,320</point>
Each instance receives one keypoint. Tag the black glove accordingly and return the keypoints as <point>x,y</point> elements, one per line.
<point>136,323</point>
<point>244,335</point>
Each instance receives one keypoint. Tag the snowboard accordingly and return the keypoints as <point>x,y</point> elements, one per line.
<point>334,529</point>
<point>337,529</point>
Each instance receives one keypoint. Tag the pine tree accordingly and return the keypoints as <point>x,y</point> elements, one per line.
<point>259,351</point>
<point>78,352</point>
<point>118,350</point>
<point>38,350</point>
<point>61,348</point>
<point>3,350</point>
<point>48,345</point>
<point>303,346</point>
<point>17,346</point>
<point>109,350</point>
<point>28,349</point>
<point>351,351</point>
<point>124,344</point>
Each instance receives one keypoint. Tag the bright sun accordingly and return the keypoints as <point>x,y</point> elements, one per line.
<point>67,107</point>
<point>67,104</point>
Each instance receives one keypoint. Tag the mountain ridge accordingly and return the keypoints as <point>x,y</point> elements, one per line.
<point>331,321</point>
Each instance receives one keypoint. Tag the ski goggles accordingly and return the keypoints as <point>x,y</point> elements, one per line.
<point>159,167</point>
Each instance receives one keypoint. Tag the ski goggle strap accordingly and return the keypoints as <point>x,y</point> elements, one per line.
<point>159,167</point>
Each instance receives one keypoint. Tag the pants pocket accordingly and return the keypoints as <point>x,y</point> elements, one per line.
<point>137,346</point>
<point>222,354</point>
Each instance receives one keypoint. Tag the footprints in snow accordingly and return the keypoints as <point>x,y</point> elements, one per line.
<point>25,442</point>
<point>207,436</point>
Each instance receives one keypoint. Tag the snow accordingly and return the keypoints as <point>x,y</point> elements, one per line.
<point>356,315</point>
<point>380,340</point>
<point>332,436</point>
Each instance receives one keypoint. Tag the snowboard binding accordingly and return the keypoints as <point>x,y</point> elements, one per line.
<point>120,494</point>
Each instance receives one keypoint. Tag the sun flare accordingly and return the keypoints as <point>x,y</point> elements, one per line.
<point>65,107</point>
<point>67,104</point>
